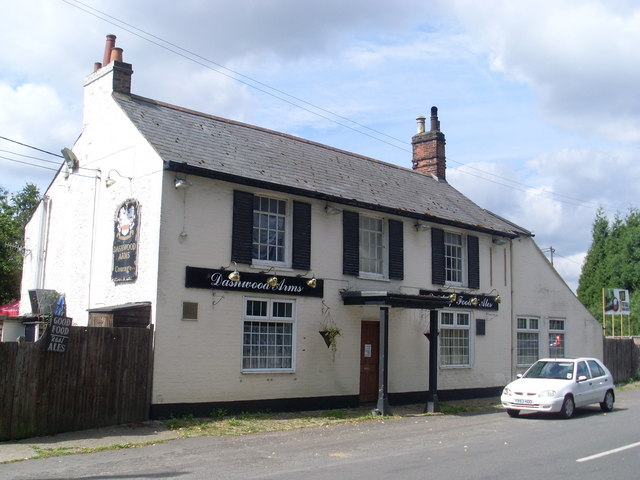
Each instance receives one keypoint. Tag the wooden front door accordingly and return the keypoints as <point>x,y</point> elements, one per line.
<point>369,356</point>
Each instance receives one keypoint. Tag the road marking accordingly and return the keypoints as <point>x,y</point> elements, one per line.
<point>609,452</point>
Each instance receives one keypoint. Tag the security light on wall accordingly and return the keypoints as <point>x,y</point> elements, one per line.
<point>329,210</point>
<point>182,183</point>
<point>110,181</point>
<point>421,227</point>
<point>70,158</point>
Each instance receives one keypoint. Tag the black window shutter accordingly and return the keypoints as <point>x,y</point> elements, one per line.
<point>473,258</point>
<point>350,243</point>
<point>301,248</point>
<point>242,236</point>
<point>396,249</point>
<point>437,257</point>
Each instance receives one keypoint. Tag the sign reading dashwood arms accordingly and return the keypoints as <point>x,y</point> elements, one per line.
<point>125,241</point>
<point>251,282</point>
<point>466,300</point>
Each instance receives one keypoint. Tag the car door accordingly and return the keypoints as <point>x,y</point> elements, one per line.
<point>601,381</point>
<point>584,394</point>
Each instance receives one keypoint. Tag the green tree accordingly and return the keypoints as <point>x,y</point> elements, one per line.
<point>593,276</point>
<point>15,211</point>
<point>613,261</point>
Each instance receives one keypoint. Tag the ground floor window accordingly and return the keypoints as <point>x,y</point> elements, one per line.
<point>455,339</point>
<point>527,341</point>
<point>268,335</point>
<point>556,338</point>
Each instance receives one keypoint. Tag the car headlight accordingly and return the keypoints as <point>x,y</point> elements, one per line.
<point>506,391</point>
<point>547,393</point>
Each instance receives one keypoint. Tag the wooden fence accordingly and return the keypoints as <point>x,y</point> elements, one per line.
<point>622,357</point>
<point>104,378</point>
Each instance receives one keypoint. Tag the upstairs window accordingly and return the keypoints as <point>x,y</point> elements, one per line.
<point>453,258</point>
<point>269,229</point>
<point>371,245</point>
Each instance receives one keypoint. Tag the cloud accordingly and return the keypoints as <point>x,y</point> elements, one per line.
<point>28,111</point>
<point>579,57</point>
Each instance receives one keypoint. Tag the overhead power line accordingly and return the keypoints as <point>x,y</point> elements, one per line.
<point>29,163</point>
<point>234,75</point>
<point>32,147</point>
<point>306,105</point>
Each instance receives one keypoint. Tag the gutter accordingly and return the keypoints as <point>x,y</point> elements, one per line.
<point>212,174</point>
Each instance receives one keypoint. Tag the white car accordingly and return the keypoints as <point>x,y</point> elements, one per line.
<point>559,385</point>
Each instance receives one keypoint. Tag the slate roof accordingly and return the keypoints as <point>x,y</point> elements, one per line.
<point>215,147</point>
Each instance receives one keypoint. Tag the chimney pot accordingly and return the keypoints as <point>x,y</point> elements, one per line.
<point>110,43</point>
<point>420,121</point>
<point>97,66</point>
<point>435,123</point>
<point>116,54</point>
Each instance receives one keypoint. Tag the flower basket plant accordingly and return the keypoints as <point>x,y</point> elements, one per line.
<point>329,334</point>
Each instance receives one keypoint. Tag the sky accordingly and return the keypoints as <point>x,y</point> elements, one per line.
<point>538,99</point>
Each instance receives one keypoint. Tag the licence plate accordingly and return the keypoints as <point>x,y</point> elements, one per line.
<point>523,401</point>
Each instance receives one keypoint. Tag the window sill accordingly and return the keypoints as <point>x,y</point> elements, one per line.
<point>273,266</point>
<point>372,276</point>
<point>267,371</point>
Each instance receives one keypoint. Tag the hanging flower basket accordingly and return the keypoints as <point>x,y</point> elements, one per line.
<point>329,335</point>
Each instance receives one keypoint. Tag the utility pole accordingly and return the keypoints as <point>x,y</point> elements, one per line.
<point>551,251</point>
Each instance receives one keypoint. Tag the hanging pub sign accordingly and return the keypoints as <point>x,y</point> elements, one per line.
<point>466,300</point>
<point>197,277</point>
<point>126,226</point>
<point>59,334</point>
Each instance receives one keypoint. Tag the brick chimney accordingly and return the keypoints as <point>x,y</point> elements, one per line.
<point>113,66</point>
<point>428,148</point>
<point>106,79</point>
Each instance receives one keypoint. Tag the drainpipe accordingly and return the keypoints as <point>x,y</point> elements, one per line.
<point>93,235</point>
<point>383,400</point>
<point>43,240</point>
<point>433,406</point>
<point>511,318</point>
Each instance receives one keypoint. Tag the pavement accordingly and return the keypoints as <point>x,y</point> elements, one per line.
<point>83,440</point>
<point>149,432</point>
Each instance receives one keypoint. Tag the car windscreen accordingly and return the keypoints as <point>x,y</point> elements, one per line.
<point>556,370</point>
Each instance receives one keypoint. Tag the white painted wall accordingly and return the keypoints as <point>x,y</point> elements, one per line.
<point>541,292</point>
<point>78,236</point>
<point>200,361</point>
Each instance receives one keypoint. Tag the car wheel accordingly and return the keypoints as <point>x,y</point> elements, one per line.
<point>607,404</point>
<point>568,407</point>
<point>513,413</point>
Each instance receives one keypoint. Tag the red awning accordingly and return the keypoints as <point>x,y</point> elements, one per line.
<point>10,309</point>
